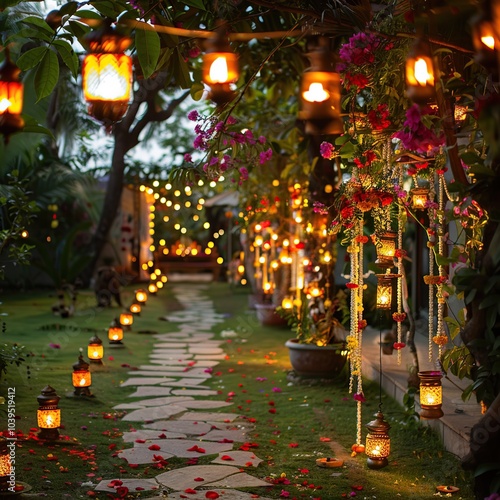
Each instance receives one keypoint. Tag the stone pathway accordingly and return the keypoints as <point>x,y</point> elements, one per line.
<point>174,420</point>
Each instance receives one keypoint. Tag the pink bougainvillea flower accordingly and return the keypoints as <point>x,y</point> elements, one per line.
<point>359,396</point>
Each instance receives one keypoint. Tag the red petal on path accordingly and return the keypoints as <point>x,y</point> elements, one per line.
<point>154,447</point>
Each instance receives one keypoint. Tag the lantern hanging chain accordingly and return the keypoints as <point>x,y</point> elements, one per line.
<point>441,235</point>
<point>360,331</point>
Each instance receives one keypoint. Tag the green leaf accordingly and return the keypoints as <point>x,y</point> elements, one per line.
<point>181,72</point>
<point>197,90</point>
<point>30,33</point>
<point>490,300</point>
<point>68,9</point>
<point>147,43</point>
<point>35,128</point>
<point>198,4</point>
<point>31,58</point>
<point>39,23</point>
<point>107,9</point>
<point>164,60</point>
<point>68,56</point>
<point>78,29</point>
<point>89,14</point>
<point>47,75</point>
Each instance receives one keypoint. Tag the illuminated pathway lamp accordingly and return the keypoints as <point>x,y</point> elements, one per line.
<point>107,74</point>
<point>115,334</point>
<point>126,320</point>
<point>11,98</point>
<point>378,442</point>
<point>5,465</point>
<point>420,74</point>
<point>48,414</point>
<point>81,378</point>
<point>152,288</point>
<point>220,68</point>
<point>320,93</point>
<point>141,296</point>
<point>431,394</point>
<point>135,309</point>
<point>95,350</point>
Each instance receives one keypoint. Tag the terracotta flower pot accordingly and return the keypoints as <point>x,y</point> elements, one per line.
<point>310,360</point>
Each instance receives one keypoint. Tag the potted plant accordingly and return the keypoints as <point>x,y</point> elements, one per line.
<point>318,349</point>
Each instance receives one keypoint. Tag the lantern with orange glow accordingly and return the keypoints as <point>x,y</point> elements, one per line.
<point>11,98</point>
<point>287,303</point>
<point>220,68</point>
<point>81,378</point>
<point>152,288</point>
<point>485,39</point>
<point>126,320</point>
<point>135,309</point>
<point>419,197</point>
<point>384,291</point>
<point>141,296</point>
<point>420,74</point>
<point>320,92</point>
<point>95,350</point>
<point>431,394</point>
<point>5,465</point>
<point>386,249</point>
<point>107,74</point>
<point>378,442</point>
<point>48,414</point>
<point>115,334</point>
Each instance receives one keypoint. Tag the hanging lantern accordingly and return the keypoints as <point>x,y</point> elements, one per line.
<point>126,319</point>
<point>115,334</point>
<point>135,309</point>
<point>220,68</point>
<point>107,74</point>
<point>287,303</point>
<point>431,394</point>
<point>378,442</point>
<point>5,465</point>
<point>419,197</point>
<point>48,414</point>
<point>11,98</point>
<point>153,288</point>
<point>141,296</point>
<point>420,74</point>
<point>384,291</point>
<point>95,350</point>
<point>485,40</point>
<point>320,92</point>
<point>386,249</point>
<point>81,378</point>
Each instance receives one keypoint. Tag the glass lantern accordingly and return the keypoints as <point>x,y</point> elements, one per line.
<point>386,249</point>
<point>81,378</point>
<point>135,308</point>
<point>420,86</point>
<point>384,291</point>
<point>419,197</point>
<point>153,288</point>
<point>11,98</point>
<point>431,394</point>
<point>126,319</point>
<point>48,414</point>
<point>115,334</point>
<point>141,296</point>
<point>95,350</point>
<point>378,442</point>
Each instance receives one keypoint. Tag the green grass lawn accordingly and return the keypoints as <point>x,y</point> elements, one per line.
<point>294,423</point>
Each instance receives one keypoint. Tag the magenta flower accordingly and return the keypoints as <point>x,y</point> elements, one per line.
<point>359,396</point>
<point>188,158</point>
<point>193,115</point>
<point>327,150</point>
<point>265,156</point>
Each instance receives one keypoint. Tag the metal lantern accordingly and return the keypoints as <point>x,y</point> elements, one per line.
<point>378,442</point>
<point>320,92</point>
<point>386,249</point>
<point>115,334</point>
<point>485,40</point>
<point>107,74</point>
<point>48,414</point>
<point>11,98</point>
<point>141,296</point>
<point>220,68</point>
<point>81,378</point>
<point>420,74</point>
<point>431,394</point>
<point>384,291</point>
<point>135,309</point>
<point>95,350</point>
<point>5,465</point>
<point>126,319</point>
<point>153,288</point>
<point>419,197</point>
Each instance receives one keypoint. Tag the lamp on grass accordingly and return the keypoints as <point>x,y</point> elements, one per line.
<point>126,320</point>
<point>81,378</point>
<point>378,442</point>
<point>95,350</point>
<point>115,334</point>
<point>48,414</point>
<point>141,296</point>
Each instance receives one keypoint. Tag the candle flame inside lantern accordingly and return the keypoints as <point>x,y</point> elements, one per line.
<point>316,93</point>
<point>422,74</point>
<point>218,70</point>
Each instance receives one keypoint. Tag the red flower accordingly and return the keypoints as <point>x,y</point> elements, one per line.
<point>121,492</point>
<point>399,345</point>
<point>351,285</point>
<point>398,317</point>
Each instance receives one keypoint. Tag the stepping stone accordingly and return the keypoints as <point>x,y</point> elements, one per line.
<point>184,427</point>
<point>172,368</point>
<point>240,458</point>
<point>194,392</point>
<point>236,435</point>
<point>205,416</point>
<point>145,381</point>
<point>131,484</point>
<point>161,401</point>
<point>224,494</point>
<point>210,356</point>
<point>162,372</point>
<point>172,345</point>
<point>205,405</point>
<point>148,435</point>
<point>149,390</point>
<point>186,448</point>
<point>241,480</point>
<point>153,413</point>
<point>206,350</point>
<point>141,455</point>
<point>177,352</point>
<point>182,479</point>
<point>170,356</point>
<point>183,363</point>
<point>188,382</point>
